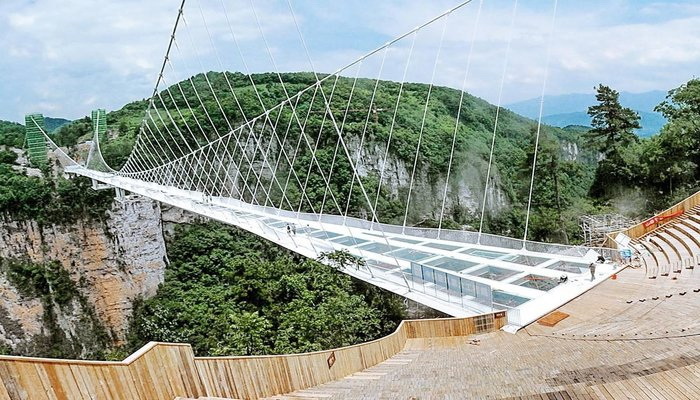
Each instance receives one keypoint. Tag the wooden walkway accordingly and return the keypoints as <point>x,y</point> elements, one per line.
<point>613,345</point>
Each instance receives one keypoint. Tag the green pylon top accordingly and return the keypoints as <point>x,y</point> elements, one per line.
<point>99,122</point>
<point>36,142</point>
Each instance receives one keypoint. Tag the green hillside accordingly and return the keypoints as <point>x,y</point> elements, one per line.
<point>512,155</point>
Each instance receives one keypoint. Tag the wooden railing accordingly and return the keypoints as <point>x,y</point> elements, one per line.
<point>639,230</point>
<point>163,371</point>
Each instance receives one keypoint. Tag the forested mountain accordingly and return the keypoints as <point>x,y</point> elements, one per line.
<point>54,123</point>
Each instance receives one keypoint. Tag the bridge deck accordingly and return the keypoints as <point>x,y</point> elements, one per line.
<point>607,348</point>
<point>457,272</point>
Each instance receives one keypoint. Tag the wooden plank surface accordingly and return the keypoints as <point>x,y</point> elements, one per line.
<point>166,371</point>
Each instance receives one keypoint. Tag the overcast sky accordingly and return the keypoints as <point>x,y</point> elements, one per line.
<point>65,57</point>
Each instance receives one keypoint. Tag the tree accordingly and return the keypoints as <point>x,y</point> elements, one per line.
<point>341,259</point>
<point>675,154</point>
<point>547,204</point>
<point>613,125</point>
<point>247,336</point>
<point>612,133</point>
<point>7,157</point>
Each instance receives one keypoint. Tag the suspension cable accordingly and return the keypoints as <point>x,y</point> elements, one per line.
<point>495,124</point>
<point>539,121</point>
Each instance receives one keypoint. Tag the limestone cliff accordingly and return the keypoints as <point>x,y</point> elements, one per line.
<point>111,262</point>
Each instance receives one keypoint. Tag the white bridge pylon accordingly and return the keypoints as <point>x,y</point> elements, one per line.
<point>453,273</point>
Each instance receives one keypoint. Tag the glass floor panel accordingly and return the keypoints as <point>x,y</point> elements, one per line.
<point>483,253</point>
<point>441,246</point>
<point>537,282</point>
<point>494,273</point>
<point>383,266</point>
<point>269,220</point>
<point>406,240</point>
<point>380,248</point>
<point>451,264</point>
<point>508,300</point>
<point>278,224</point>
<point>410,254</point>
<point>306,229</point>
<point>325,235</point>
<point>570,267</point>
<point>349,241</point>
<point>525,260</point>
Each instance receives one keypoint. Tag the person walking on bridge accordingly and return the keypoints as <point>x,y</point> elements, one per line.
<point>592,269</point>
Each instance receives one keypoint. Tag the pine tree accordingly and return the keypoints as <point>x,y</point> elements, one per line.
<point>613,125</point>
<point>613,132</point>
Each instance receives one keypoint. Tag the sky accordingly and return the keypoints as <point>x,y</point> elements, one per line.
<point>64,58</point>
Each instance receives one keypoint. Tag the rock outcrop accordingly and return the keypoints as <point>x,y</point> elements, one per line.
<point>112,263</point>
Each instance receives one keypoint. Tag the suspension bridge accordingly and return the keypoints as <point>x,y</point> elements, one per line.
<point>216,144</point>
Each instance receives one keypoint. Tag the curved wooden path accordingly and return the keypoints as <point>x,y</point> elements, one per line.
<point>629,338</point>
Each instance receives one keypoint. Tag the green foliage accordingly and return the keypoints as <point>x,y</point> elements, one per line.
<point>247,335</point>
<point>11,134</point>
<point>74,132</point>
<point>613,125</point>
<point>612,133</point>
<point>7,157</point>
<point>672,158</point>
<point>228,292</point>
<point>663,169</point>
<point>49,201</point>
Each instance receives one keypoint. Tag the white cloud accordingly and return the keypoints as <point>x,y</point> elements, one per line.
<point>21,20</point>
<point>111,51</point>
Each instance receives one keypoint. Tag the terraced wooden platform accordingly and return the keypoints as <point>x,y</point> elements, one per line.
<point>673,248</point>
<point>629,338</point>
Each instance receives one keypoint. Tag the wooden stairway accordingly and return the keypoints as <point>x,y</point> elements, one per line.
<point>672,248</point>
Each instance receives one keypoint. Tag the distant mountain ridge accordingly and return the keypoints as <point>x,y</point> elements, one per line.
<point>571,109</point>
<point>52,124</point>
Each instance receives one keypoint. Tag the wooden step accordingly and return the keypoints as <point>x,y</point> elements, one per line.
<point>692,237</point>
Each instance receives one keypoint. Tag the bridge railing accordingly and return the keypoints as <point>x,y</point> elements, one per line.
<point>467,237</point>
<point>452,287</point>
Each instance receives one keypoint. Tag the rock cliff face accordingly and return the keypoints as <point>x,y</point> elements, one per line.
<point>111,262</point>
<point>465,189</point>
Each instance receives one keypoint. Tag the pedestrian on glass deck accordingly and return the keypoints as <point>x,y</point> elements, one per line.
<point>592,268</point>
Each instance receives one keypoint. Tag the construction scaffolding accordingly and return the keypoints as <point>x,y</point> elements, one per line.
<point>596,227</point>
<point>36,142</point>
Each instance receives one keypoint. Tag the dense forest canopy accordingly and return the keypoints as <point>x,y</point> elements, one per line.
<point>227,292</point>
